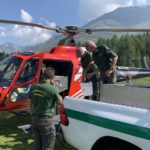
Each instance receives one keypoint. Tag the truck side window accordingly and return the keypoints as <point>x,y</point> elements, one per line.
<point>29,71</point>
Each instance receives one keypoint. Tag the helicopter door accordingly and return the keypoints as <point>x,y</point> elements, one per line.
<point>29,75</point>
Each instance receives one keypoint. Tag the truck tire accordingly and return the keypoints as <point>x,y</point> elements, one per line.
<point>110,143</point>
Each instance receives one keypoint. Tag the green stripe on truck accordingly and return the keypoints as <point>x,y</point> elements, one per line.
<point>129,129</point>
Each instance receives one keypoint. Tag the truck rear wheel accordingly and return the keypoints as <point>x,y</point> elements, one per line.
<point>110,143</point>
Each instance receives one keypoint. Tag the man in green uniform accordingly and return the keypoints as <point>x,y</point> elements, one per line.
<point>43,97</point>
<point>86,62</point>
<point>106,61</point>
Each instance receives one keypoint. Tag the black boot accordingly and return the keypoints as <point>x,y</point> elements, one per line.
<point>87,97</point>
<point>95,98</point>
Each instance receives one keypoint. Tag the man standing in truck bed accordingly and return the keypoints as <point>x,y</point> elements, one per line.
<point>86,61</point>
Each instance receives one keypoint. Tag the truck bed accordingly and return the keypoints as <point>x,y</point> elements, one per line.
<point>126,94</point>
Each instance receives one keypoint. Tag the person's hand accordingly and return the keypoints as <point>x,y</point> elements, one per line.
<point>108,72</point>
<point>89,75</point>
<point>52,82</point>
<point>83,78</point>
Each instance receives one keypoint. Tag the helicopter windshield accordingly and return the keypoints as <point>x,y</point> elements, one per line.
<point>8,69</point>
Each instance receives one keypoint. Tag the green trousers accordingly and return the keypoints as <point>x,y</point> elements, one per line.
<point>44,132</point>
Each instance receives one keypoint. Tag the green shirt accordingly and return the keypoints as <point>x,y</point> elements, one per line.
<point>85,60</point>
<point>43,97</point>
<point>103,57</point>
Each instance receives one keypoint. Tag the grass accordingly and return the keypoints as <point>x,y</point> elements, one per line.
<point>12,138</point>
<point>145,80</point>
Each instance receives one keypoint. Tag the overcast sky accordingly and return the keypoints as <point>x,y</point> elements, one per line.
<point>52,13</point>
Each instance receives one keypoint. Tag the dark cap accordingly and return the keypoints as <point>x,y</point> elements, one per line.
<point>49,73</point>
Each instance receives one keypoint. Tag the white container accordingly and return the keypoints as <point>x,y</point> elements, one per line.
<point>87,88</point>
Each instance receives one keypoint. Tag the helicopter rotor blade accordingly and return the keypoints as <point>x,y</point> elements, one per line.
<point>59,30</point>
<point>89,31</point>
<point>72,29</point>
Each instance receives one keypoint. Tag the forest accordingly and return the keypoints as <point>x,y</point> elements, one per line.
<point>131,49</point>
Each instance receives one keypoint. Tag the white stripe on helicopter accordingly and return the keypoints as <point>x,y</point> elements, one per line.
<point>78,74</point>
<point>77,93</point>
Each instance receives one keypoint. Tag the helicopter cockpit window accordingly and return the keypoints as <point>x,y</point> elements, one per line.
<point>8,69</point>
<point>29,71</point>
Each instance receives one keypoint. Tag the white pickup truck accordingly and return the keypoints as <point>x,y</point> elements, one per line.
<point>119,121</point>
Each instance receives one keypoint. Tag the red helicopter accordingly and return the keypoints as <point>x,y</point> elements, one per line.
<point>20,71</point>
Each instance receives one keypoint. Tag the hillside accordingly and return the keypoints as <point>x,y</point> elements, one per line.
<point>127,17</point>
<point>9,47</point>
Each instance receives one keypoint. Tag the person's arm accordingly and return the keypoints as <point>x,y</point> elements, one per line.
<point>59,101</point>
<point>57,96</point>
<point>29,106</point>
<point>114,58</point>
<point>114,62</point>
<point>90,65</point>
<point>113,66</point>
<point>29,100</point>
<point>90,75</point>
